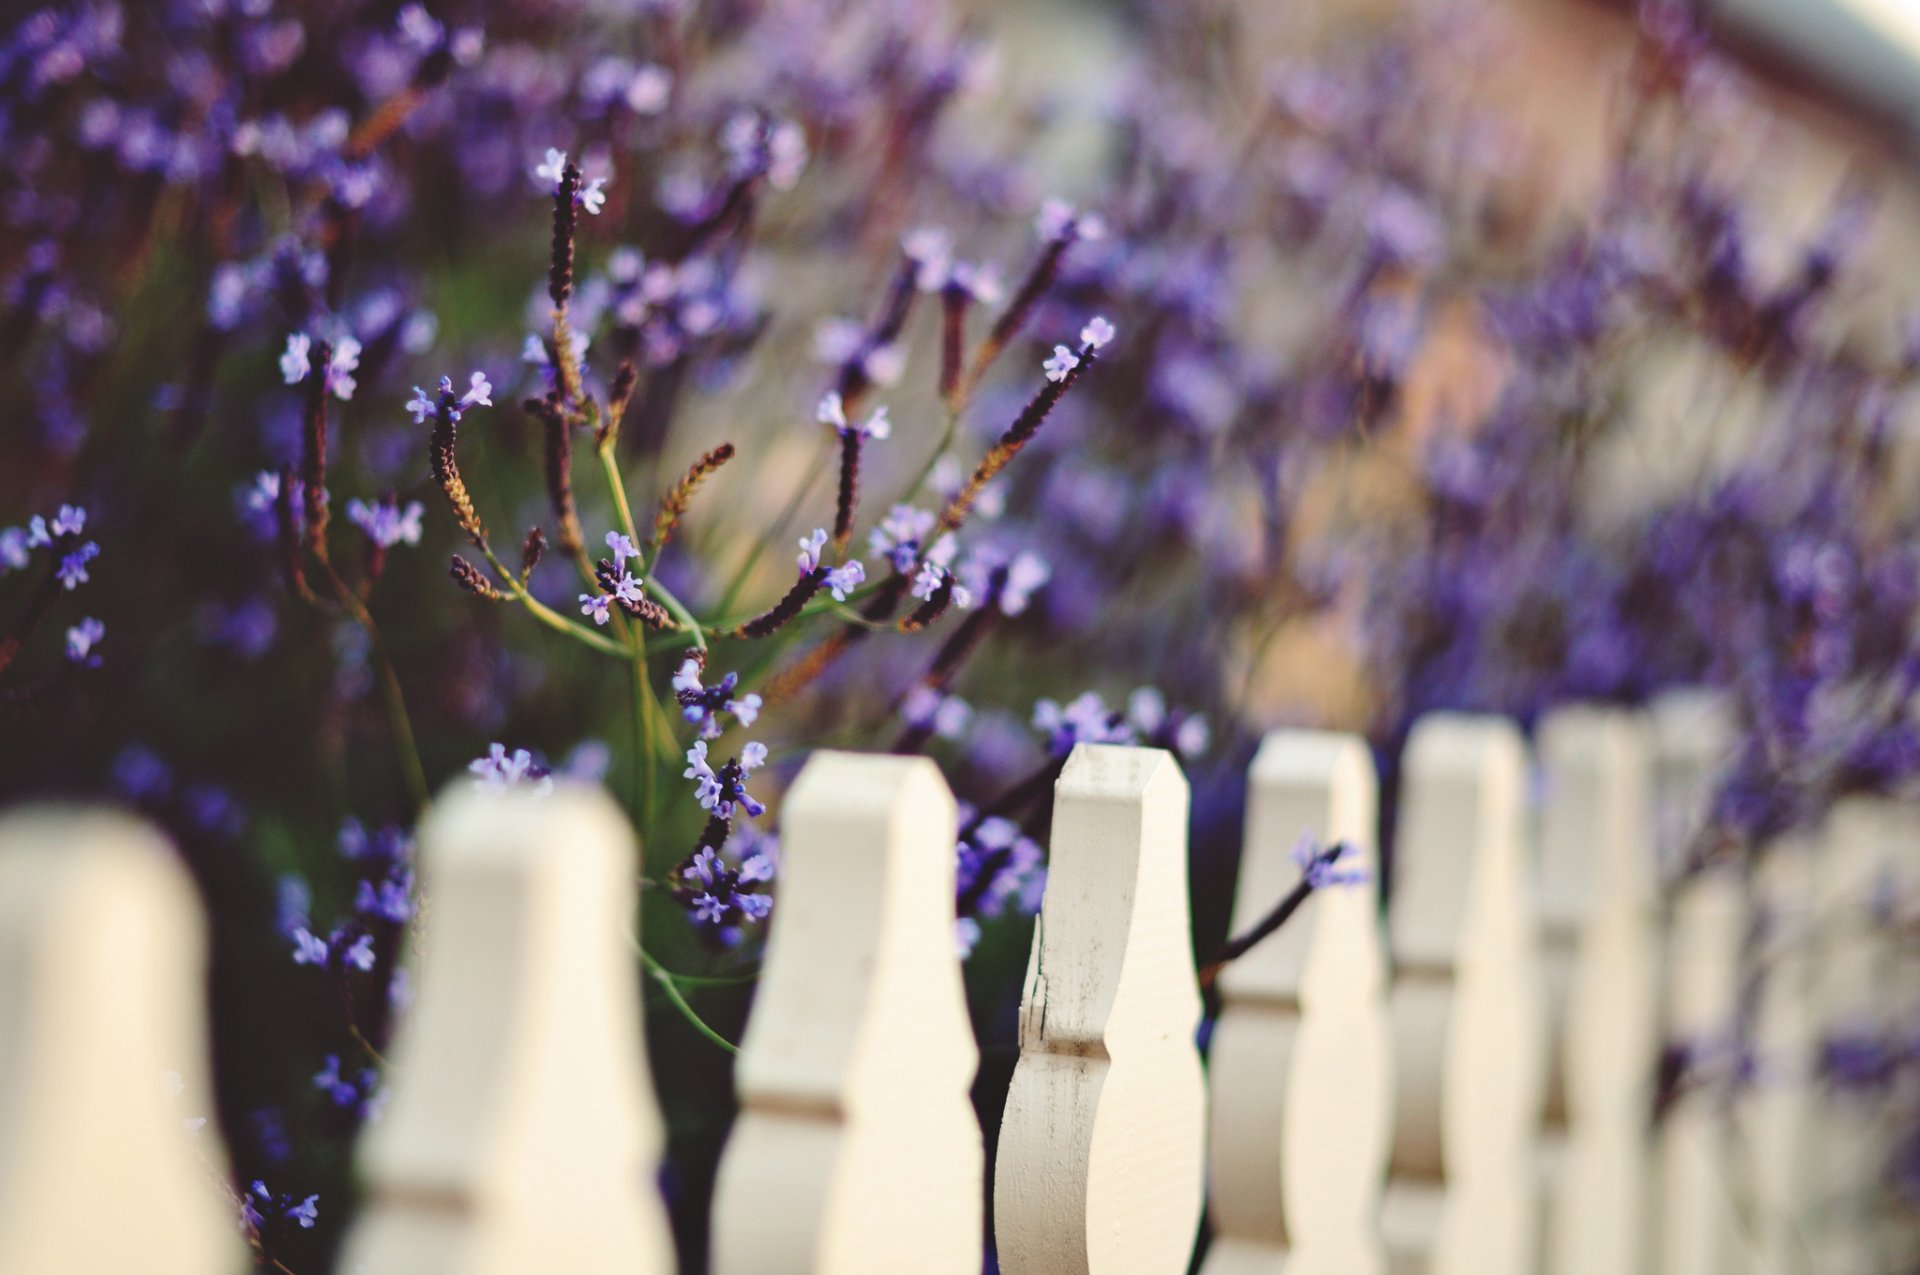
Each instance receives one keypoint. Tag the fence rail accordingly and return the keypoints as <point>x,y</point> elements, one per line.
<point>1465,1085</point>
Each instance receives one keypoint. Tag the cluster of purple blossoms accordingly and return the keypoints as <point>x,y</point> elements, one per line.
<point>702,705</point>
<point>386,522</point>
<point>359,1093</point>
<point>61,534</point>
<point>501,770</point>
<point>296,364</point>
<point>839,581</point>
<point>479,393</point>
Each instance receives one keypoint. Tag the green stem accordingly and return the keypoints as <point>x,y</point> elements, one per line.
<point>395,699</point>
<point>663,977</point>
<point>548,616</point>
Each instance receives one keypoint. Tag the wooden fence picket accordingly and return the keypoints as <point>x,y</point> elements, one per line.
<point>1774,1099</point>
<point>522,1132</point>
<point>857,1150</point>
<point>103,1067</point>
<point>1301,1064</point>
<point>1695,1219</point>
<point>1099,1168</point>
<point>1853,973</point>
<point>1598,901</point>
<point>1468,1026</point>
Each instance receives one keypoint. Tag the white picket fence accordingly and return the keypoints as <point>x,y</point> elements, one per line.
<point>1464,1090</point>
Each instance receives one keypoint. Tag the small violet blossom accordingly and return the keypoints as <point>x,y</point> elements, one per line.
<point>702,705</point>
<point>386,523</point>
<point>1062,362</point>
<point>296,364</point>
<point>831,411</point>
<point>500,770</point>
<point>1321,866</point>
<point>82,638</point>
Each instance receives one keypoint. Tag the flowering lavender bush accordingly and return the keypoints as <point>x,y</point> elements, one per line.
<point>753,403</point>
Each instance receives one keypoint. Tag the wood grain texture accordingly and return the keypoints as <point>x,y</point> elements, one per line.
<point>1598,899</point>
<point>1467,1018</point>
<point>522,1133</point>
<point>857,1149</point>
<point>1099,1167</point>
<point>103,1057</point>
<point>1301,1064</point>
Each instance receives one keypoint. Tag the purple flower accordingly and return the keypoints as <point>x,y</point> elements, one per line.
<point>479,391</point>
<point>832,412</point>
<point>596,605</point>
<point>592,195</point>
<point>386,523</point>
<point>621,547</point>
<point>549,171</point>
<point>1059,220</point>
<point>844,579</point>
<point>14,549</point>
<point>73,566</point>
<point>1062,362</point>
<point>309,948</point>
<point>1086,719</point>
<point>810,547</point>
<point>702,705</point>
<point>709,909</point>
<point>897,538</point>
<point>82,638</point>
<point>294,363</point>
<point>1321,867</point>
<point>500,770</point>
<point>1097,332</point>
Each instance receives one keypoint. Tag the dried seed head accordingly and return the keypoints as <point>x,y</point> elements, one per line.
<point>470,578</point>
<point>446,467</point>
<point>313,461</point>
<point>531,551</point>
<point>673,506</point>
<point>786,608</point>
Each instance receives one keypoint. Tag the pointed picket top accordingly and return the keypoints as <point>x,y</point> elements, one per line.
<point>107,1164</point>
<point>857,1149</point>
<point>1468,1027</point>
<point>1099,1169</point>
<point>1699,1227</point>
<point>1597,889</point>
<point>522,1132</point>
<point>1301,1060</point>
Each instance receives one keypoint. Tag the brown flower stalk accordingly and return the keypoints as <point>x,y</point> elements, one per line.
<point>933,608</point>
<point>289,537</point>
<point>786,608</point>
<point>559,472</point>
<point>1045,269</point>
<point>954,300</point>
<point>473,580</point>
<point>446,470</point>
<point>673,506</point>
<point>641,607</point>
<point>1018,435</point>
<point>849,493</point>
<point>619,394</point>
<point>566,216</point>
<point>532,549</point>
<point>313,459</point>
